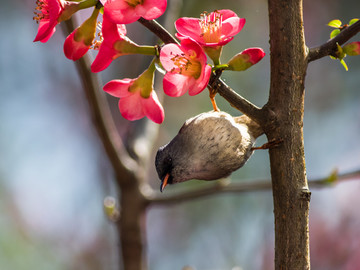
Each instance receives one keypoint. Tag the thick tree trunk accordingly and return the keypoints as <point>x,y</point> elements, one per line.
<point>286,105</point>
<point>131,227</point>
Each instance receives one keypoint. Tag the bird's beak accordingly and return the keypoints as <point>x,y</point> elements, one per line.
<point>164,182</point>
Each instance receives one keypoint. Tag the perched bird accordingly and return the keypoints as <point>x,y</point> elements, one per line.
<point>208,146</point>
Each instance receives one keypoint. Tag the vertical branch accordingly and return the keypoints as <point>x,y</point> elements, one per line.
<point>286,102</point>
<point>127,171</point>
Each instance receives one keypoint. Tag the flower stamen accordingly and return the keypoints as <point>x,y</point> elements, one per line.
<point>186,66</point>
<point>41,12</point>
<point>97,42</point>
<point>210,25</point>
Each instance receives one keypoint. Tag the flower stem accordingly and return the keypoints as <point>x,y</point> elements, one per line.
<point>220,67</point>
<point>87,4</point>
<point>146,50</point>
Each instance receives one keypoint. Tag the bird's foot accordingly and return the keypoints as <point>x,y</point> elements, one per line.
<point>212,98</point>
<point>270,144</point>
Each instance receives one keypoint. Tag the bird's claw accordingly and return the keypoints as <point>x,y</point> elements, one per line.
<point>270,144</point>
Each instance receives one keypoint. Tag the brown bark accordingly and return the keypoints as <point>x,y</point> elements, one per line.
<point>131,227</point>
<point>286,106</point>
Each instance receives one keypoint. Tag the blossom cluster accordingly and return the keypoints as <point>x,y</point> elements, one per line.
<point>185,63</point>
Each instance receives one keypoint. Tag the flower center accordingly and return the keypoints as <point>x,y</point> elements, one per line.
<point>210,25</point>
<point>41,10</point>
<point>134,3</point>
<point>186,65</point>
<point>99,37</point>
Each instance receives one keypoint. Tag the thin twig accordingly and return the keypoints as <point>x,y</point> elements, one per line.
<point>225,186</point>
<point>330,47</point>
<point>237,101</point>
<point>158,30</point>
<point>224,90</point>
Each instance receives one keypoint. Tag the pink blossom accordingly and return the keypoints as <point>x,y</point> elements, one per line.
<point>80,40</point>
<point>128,11</point>
<point>115,44</point>
<point>211,30</point>
<point>137,98</point>
<point>186,68</point>
<point>47,15</point>
<point>111,34</point>
<point>50,13</point>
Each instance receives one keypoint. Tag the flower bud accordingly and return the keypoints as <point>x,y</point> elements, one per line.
<point>245,59</point>
<point>352,48</point>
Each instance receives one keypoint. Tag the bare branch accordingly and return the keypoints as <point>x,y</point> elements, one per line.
<point>158,30</point>
<point>329,48</point>
<point>224,90</point>
<point>236,100</point>
<point>225,186</point>
<point>101,115</point>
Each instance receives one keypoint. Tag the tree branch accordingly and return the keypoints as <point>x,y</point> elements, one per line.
<point>329,48</point>
<point>217,84</point>
<point>101,115</point>
<point>225,186</point>
<point>236,100</point>
<point>158,30</point>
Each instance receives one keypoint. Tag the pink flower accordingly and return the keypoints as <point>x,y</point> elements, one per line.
<point>186,68</point>
<point>80,40</point>
<point>128,11</point>
<point>116,44</point>
<point>137,97</point>
<point>111,33</point>
<point>245,59</point>
<point>49,14</point>
<point>211,30</point>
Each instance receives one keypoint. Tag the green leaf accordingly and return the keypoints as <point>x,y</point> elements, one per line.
<point>344,64</point>
<point>332,178</point>
<point>353,21</point>
<point>334,33</point>
<point>340,52</point>
<point>335,23</point>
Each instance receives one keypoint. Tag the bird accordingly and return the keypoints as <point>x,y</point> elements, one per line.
<point>208,146</point>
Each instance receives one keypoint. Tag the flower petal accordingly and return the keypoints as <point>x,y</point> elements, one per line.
<point>119,88</point>
<point>45,31</point>
<point>131,108</point>
<point>232,26</point>
<point>201,82</point>
<point>120,12</point>
<point>167,53</point>
<point>152,9</point>
<point>190,47</point>
<point>103,58</point>
<point>227,13</point>
<point>74,50</point>
<point>189,27</point>
<point>153,108</point>
<point>175,84</point>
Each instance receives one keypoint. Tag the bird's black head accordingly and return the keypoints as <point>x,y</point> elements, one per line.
<point>164,166</point>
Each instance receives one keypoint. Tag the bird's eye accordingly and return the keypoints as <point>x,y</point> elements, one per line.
<point>168,161</point>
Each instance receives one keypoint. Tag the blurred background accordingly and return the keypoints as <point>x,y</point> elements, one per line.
<point>54,174</point>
